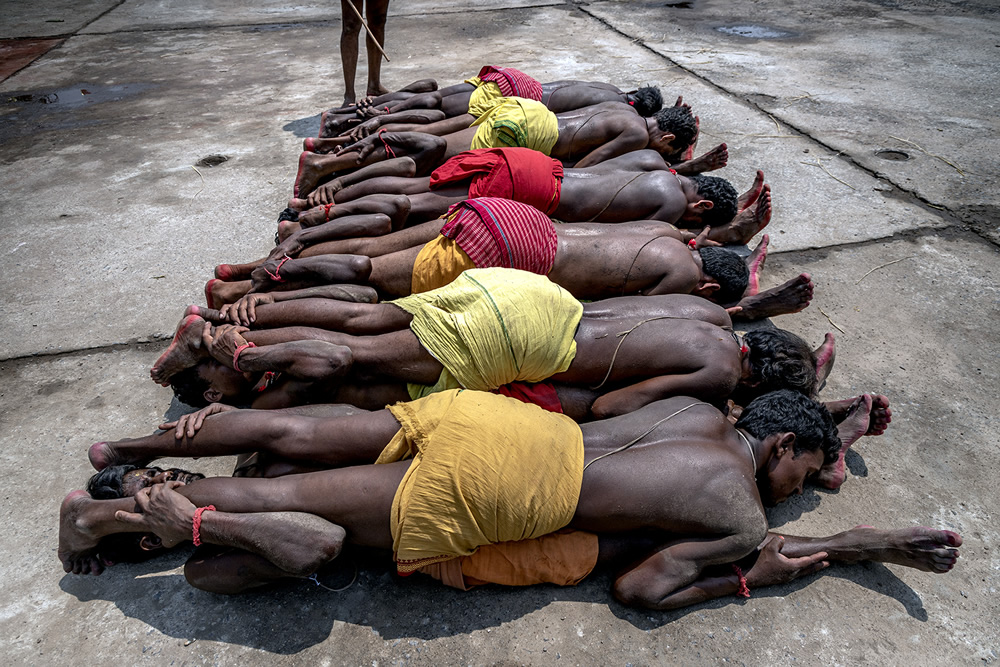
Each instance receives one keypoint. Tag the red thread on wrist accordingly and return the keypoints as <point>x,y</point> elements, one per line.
<point>744,591</point>
<point>693,244</point>
<point>275,276</point>
<point>196,523</point>
<point>236,355</point>
<point>388,151</point>
<point>326,212</point>
<point>673,171</point>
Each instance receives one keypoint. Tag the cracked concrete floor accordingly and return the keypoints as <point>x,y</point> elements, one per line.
<point>110,232</point>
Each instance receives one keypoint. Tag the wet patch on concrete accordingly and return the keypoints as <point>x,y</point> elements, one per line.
<point>18,53</point>
<point>78,95</point>
<point>751,31</point>
<point>28,112</point>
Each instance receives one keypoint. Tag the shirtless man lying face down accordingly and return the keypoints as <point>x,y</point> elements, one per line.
<point>673,494</point>
<point>488,328</point>
<point>637,186</point>
<point>580,138</point>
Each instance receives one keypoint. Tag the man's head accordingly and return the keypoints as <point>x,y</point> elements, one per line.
<point>674,132</point>
<point>777,359</point>
<point>210,382</point>
<point>646,101</point>
<point>724,276</point>
<point>125,481</point>
<point>711,200</point>
<point>799,437</point>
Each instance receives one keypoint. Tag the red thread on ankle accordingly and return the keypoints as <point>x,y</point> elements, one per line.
<point>275,276</point>
<point>388,151</point>
<point>196,523</point>
<point>326,212</point>
<point>744,591</point>
<point>236,355</point>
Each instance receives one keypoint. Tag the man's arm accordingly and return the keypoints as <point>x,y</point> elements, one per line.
<point>709,384</point>
<point>669,578</point>
<point>413,118</point>
<point>625,141</point>
<point>347,227</point>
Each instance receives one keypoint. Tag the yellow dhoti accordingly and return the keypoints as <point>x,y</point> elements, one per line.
<point>491,327</point>
<point>486,469</point>
<point>513,121</point>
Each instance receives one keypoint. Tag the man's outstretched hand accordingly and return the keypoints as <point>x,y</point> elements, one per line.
<point>162,511</point>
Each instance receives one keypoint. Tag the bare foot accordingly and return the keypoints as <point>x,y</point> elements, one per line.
<point>755,264</point>
<point>326,145</point>
<point>231,272</point>
<point>786,299</point>
<point>308,174</point>
<point>852,427</point>
<point>285,229</point>
<point>219,293</point>
<point>710,161</point>
<point>825,355</point>
<point>878,421</point>
<point>920,548</point>
<point>77,542</point>
<point>334,121</point>
<point>298,204</point>
<point>747,222</point>
<point>750,196</point>
<point>184,351</point>
<point>377,90</point>
<point>688,153</point>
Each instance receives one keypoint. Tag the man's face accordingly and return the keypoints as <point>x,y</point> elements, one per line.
<point>786,475</point>
<point>141,478</point>
<point>226,382</point>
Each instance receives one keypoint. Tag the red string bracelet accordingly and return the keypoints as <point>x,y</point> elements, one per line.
<point>196,524</point>
<point>388,151</point>
<point>744,591</point>
<point>326,211</point>
<point>274,276</point>
<point>236,355</point>
<point>693,244</point>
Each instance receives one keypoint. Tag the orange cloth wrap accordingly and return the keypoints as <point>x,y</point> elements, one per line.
<point>564,558</point>
<point>437,264</point>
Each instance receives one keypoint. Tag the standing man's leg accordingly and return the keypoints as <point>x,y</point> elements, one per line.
<point>350,26</point>
<point>376,13</point>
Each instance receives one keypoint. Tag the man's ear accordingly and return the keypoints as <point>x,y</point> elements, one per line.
<point>704,205</point>
<point>150,543</point>
<point>706,287</point>
<point>784,445</point>
<point>212,395</point>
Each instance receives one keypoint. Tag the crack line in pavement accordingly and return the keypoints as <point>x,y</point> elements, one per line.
<point>940,211</point>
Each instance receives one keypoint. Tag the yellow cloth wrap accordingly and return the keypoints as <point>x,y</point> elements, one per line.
<point>490,327</point>
<point>563,558</point>
<point>484,97</point>
<point>486,469</point>
<point>514,121</point>
<point>438,263</point>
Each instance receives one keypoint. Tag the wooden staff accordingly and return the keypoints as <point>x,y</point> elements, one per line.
<point>367,29</point>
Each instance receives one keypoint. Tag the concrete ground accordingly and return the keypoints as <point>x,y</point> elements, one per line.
<point>874,120</point>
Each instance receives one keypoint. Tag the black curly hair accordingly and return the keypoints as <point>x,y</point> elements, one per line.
<point>647,101</point>
<point>781,360</point>
<point>190,387</point>
<point>729,270</point>
<point>678,121</point>
<point>787,411</point>
<point>723,196</point>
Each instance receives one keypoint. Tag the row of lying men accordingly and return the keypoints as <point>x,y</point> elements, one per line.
<point>531,277</point>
